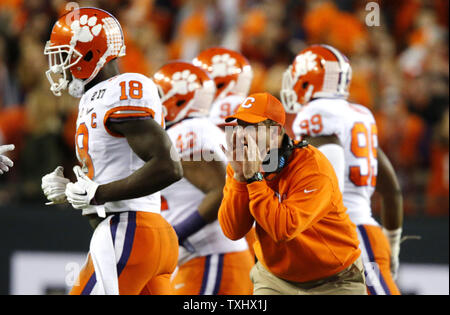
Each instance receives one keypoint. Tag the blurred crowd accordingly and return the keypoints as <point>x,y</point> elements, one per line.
<point>399,59</point>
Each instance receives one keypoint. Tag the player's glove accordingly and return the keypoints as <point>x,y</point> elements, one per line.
<point>81,193</point>
<point>394,237</point>
<point>5,162</point>
<point>187,227</point>
<point>54,186</point>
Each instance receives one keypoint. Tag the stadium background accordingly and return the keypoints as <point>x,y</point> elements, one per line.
<point>400,71</point>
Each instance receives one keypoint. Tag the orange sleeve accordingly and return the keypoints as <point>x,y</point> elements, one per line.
<point>307,201</point>
<point>234,215</point>
<point>121,112</point>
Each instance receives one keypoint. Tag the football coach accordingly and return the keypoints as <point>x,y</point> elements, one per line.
<point>306,243</point>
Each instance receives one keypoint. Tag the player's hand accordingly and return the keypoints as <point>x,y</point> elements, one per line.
<point>81,193</point>
<point>5,162</point>
<point>54,186</point>
<point>394,237</point>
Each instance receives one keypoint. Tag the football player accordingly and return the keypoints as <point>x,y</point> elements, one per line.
<point>125,157</point>
<point>232,75</point>
<point>5,162</point>
<point>209,263</point>
<point>316,87</point>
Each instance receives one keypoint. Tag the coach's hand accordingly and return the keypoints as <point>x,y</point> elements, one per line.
<point>81,193</point>
<point>235,152</point>
<point>252,157</point>
<point>54,186</point>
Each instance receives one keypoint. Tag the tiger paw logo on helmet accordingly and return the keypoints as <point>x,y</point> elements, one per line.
<point>223,65</point>
<point>85,29</point>
<point>184,82</point>
<point>304,63</point>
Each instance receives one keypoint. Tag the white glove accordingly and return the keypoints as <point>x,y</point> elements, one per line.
<point>394,237</point>
<point>80,193</point>
<point>5,162</point>
<point>54,186</point>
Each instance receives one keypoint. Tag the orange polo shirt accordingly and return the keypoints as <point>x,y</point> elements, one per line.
<point>302,228</point>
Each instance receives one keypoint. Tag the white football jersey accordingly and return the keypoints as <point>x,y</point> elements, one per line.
<point>224,107</point>
<point>355,127</point>
<point>181,199</point>
<point>105,156</point>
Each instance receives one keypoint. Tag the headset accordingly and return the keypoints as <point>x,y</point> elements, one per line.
<point>276,159</point>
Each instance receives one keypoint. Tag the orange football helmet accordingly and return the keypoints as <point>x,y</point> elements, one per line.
<point>317,71</point>
<point>82,41</point>
<point>185,90</point>
<point>230,70</point>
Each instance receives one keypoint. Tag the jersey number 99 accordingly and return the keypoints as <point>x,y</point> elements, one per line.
<point>314,125</point>
<point>364,146</point>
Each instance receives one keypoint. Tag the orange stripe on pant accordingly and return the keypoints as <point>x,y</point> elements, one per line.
<point>218,274</point>
<point>146,248</point>
<point>376,255</point>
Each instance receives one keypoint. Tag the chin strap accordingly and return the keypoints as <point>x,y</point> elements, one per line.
<point>76,87</point>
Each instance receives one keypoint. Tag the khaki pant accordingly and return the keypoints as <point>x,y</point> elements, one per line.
<point>350,281</point>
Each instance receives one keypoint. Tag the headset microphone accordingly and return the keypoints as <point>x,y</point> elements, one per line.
<point>276,159</point>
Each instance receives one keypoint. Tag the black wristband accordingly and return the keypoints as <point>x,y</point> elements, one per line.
<point>258,177</point>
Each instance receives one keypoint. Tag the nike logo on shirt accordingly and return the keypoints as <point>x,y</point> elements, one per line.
<point>179,286</point>
<point>309,191</point>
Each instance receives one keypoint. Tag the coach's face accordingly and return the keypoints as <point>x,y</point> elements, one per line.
<point>266,134</point>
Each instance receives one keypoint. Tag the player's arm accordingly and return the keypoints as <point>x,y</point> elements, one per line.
<point>332,148</point>
<point>151,143</point>
<point>389,189</point>
<point>209,177</point>
<point>392,207</point>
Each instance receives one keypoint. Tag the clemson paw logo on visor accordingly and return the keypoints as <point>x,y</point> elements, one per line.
<point>184,82</point>
<point>85,28</point>
<point>223,65</point>
<point>304,63</point>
